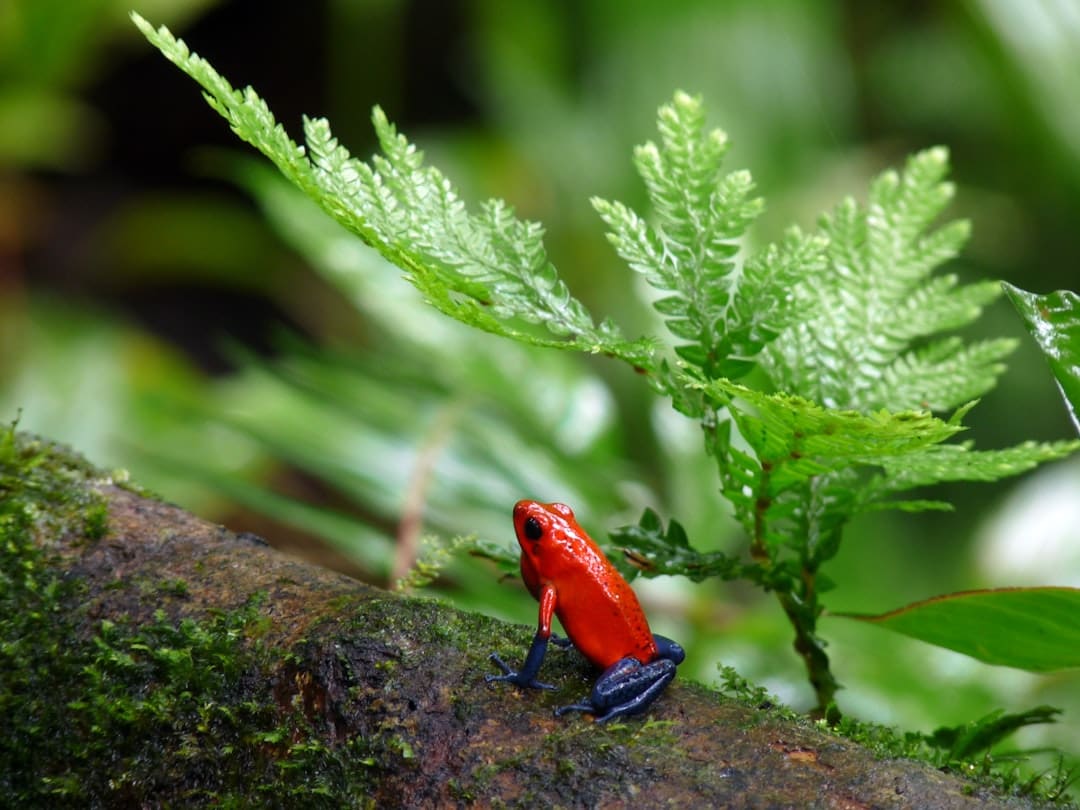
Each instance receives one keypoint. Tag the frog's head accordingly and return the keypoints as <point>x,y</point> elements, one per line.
<point>534,521</point>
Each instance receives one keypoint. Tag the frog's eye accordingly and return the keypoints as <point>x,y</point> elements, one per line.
<point>532,528</point>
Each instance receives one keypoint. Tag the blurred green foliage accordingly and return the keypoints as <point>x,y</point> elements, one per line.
<point>113,266</point>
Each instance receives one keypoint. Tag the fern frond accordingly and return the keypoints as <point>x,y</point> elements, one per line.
<point>800,480</point>
<point>795,439</point>
<point>937,306</point>
<point>900,208</point>
<point>877,297</point>
<point>248,115</point>
<point>654,551</point>
<point>724,314</point>
<point>943,374</point>
<point>487,269</point>
<point>959,462</point>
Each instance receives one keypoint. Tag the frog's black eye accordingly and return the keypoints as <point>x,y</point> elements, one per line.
<point>533,529</point>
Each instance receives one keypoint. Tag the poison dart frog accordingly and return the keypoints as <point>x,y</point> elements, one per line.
<point>571,578</point>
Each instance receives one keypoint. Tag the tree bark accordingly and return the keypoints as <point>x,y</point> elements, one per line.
<point>389,691</point>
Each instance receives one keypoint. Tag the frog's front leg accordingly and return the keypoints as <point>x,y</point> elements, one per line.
<point>526,676</point>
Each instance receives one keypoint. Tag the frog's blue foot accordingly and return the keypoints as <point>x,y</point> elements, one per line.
<point>516,677</point>
<point>626,688</point>
<point>526,676</point>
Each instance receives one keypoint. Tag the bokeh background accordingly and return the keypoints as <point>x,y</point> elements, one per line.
<point>169,307</point>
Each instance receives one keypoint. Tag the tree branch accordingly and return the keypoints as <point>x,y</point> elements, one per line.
<point>346,695</point>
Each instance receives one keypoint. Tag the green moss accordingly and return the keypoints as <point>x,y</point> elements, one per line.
<point>98,721</point>
<point>984,767</point>
<point>96,521</point>
<point>460,793</point>
<point>174,587</point>
<point>115,713</point>
<point>48,481</point>
<point>737,688</point>
<point>1007,772</point>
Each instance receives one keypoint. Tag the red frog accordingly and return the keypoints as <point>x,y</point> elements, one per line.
<point>571,578</point>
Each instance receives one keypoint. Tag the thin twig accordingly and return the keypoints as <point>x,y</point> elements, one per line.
<point>412,514</point>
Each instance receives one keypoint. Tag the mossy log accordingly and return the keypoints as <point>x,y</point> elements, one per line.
<point>160,659</point>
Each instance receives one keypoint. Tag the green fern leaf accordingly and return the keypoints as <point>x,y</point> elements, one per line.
<point>939,305</point>
<point>959,462</point>
<point>487,269</point>
<point>796,440</point>
<point>724,316</point>
<point>943,374</point>
<point>654,551</point>
<point>877,297</point>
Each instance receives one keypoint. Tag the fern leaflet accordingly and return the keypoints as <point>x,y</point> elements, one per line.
<point>487,269</point>
<point>725,313</point>
<point>876,297</point>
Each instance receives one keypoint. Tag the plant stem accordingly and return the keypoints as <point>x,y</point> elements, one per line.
<point>799,601</point>
<point>802,613</point>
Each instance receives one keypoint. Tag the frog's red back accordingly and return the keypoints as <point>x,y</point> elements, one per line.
<point>597,607</point>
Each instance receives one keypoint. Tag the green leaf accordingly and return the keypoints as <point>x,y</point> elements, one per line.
<point>943,373</point>
<point>1036,629</point>
<point>965,741</point>
<point>654,551</point>
<point>796,439</point>
<point>808,474</point>
<point>1054,321</point>
<point>877,297</point>
<point>487,269</point>
<point>507,559</point>
<point>689,249</point>
<point>958,462</point>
